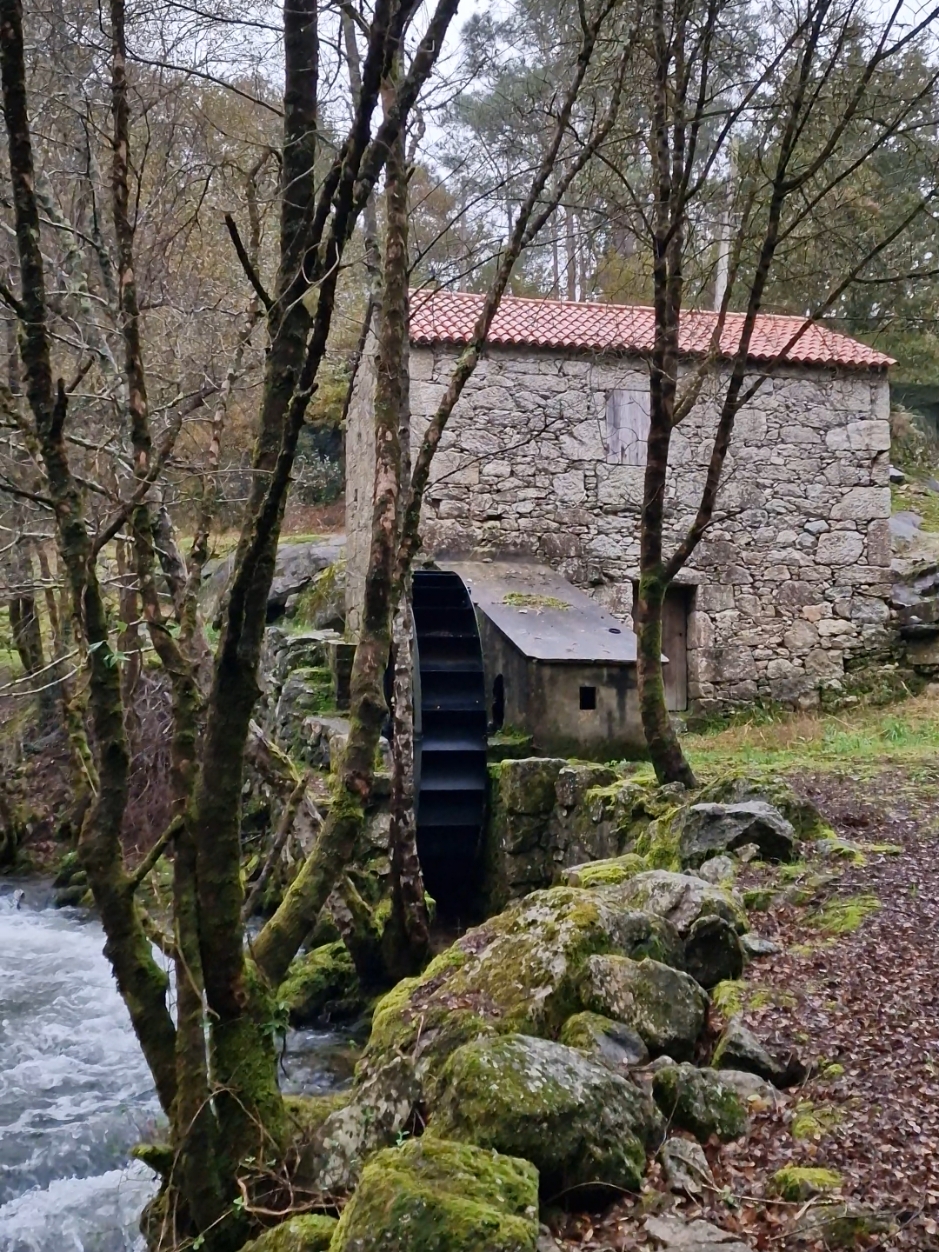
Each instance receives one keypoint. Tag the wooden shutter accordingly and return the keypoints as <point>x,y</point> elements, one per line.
<point>627,426</point>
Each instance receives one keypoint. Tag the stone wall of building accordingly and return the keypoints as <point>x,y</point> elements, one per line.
<point>793,576</point>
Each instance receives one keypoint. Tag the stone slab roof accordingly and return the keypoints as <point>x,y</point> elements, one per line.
<point>543,615</point>
<point>450,316</point>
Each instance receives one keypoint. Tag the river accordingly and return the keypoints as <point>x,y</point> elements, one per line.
<point>75,1094</point>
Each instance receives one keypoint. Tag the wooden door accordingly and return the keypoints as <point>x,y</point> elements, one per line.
<point>675,613</point>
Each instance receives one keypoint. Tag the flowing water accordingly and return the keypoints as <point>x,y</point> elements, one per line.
<point>75,1094</point>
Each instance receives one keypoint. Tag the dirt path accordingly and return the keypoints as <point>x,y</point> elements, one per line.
<point>864,1006</point>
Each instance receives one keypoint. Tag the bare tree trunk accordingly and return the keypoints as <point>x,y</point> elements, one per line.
<point>407,934</point>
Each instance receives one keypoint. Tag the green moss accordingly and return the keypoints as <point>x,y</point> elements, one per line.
<point>317,596</point>
<point>833,1071</point>
<point>793,872</point>
<point>322,985</point>
<point>580,1123</point>
<point>525,600</point>
<point>606,873</point>
<point>697,1101</point>
<point>306,1114</point>
<point>813,1121</point>
<point>846,915</point>
<point>311,1232</point>
<point>759,899</point>
<point>763,997</point>
<point>659,844</point>
<point>435,1196</point>
<point>795,1183</point>
<point>520,971</point>
<point>883,849</point>
<point>842,850</point>
<point>728,996</point>
<point>736,788</point>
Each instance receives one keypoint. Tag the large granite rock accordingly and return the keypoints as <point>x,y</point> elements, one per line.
<point>801,813</point>
<point>713,951</point>
<point>583,1126</point>
<point>681,899</point>
<point>372,1116</point>
<point>433,1196</point>
<point>297,566</point>
<point>707,830</point>
<point>664,1006</point>
<point>740,1049</point>
<point>697,1101</point>
<point>674,1234</point>
<point>519,972</point>
<point>614,1043</point>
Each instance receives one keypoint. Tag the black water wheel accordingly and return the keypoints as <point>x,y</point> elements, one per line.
<point>451,741</point>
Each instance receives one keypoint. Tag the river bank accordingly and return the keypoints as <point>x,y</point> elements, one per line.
<point>75,1093</point>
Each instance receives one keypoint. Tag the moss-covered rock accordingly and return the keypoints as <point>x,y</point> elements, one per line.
<point>582,1125</point>
<point>665,1007</point>
<point>613,1043</point>
<point>697,1101</point>
<point>311,1232</point>
<point>606,873</point>
<point>740,1049</point>
<point>433,1196</point>
<point>527,787</point>
<point>801,813</point>
<point>520,971</point>
<point>322,986</point>
<point>713,951</point>
<point>841,1225</point>
<point>795,1183</point>
<point>706,830</point>
<point>681,899</point>
<point>369,1117</point>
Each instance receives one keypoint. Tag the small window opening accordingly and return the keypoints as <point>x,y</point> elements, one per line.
<point>588,697</point>
<point>498,703</point>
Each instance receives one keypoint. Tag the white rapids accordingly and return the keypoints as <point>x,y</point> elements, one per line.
<point>75,1092</point>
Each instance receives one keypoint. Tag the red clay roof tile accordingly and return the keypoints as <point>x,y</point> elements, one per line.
<point>449,317</point>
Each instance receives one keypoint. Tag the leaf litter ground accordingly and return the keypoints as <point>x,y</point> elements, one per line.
<point>864,1008</point>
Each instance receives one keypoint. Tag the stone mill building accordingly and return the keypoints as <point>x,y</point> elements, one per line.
<point>543,460</point>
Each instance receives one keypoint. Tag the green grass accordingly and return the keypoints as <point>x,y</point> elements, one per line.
<point>907,498</point>
<point>859,741</point>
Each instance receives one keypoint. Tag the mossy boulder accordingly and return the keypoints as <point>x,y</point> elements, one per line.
<point>681,899</point>
<point>322,985</point>
<point>608,873</point>
<point>613,1043</point>
<point>801,813</point>
<point>311,1232</point>
<point>433,1196</point>
<point>519,972</point>
<point>706,830</point>
<point>740,1049</point>
<point>713,951</point>
<point>371,1116</point>
<point>584,1127</point>
<point>697,1101</point>
<point>528,786</point>
<point>665,1007</point>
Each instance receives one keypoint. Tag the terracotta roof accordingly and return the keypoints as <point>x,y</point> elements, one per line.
<point>449,317</point>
